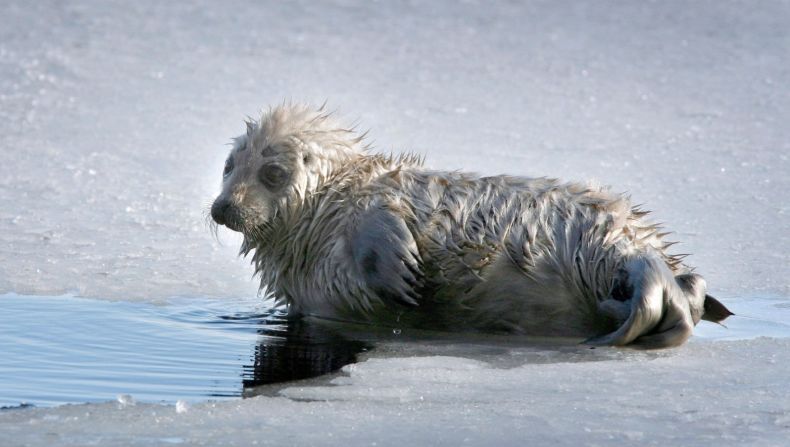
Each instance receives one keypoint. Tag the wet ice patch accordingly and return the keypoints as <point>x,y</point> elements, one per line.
<point>722,393</point>
<point>60,350</point>
<point>754,317</point>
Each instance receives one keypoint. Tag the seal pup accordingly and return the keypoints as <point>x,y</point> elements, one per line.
<point>337,231</point>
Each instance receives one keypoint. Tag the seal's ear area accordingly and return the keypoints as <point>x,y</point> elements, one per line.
<point>714,310</point>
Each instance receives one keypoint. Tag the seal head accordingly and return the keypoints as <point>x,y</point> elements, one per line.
<point>278,162</point>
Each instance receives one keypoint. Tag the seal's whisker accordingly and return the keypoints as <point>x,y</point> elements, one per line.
<point>209,222</point>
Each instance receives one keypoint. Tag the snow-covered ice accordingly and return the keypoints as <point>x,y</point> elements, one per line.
<point>113,121</point>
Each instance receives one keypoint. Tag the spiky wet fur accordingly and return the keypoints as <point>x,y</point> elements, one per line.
<point>513,254</point>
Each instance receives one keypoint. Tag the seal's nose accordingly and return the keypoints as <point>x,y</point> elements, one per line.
<point>226,212</point>
<point>219,210</point>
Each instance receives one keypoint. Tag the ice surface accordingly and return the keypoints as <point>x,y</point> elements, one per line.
<point>113,117</point>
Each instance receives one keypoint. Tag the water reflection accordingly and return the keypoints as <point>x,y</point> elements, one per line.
<point>297,349</point>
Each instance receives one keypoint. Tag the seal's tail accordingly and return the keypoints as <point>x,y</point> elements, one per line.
<point>715,311</point>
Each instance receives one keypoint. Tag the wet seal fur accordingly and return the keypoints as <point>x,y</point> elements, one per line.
<point>339,232</point>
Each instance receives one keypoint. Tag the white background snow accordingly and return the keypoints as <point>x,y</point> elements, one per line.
<point>114,118</point>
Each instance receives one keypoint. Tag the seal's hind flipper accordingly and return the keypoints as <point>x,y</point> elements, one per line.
<point>658,309</point>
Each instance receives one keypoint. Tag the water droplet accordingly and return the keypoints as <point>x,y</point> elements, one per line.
<point>125,400</point>
<point>182,407</point>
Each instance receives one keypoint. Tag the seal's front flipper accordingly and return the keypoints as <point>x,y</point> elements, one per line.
<point>385,253</point>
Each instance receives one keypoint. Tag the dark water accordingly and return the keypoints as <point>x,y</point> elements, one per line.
<point>57,350</point>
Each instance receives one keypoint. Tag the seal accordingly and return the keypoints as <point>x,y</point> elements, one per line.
<point>337,231</point>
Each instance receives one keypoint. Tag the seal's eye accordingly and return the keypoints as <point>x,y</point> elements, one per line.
<point>228,167</point>
<point>273,176</point>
